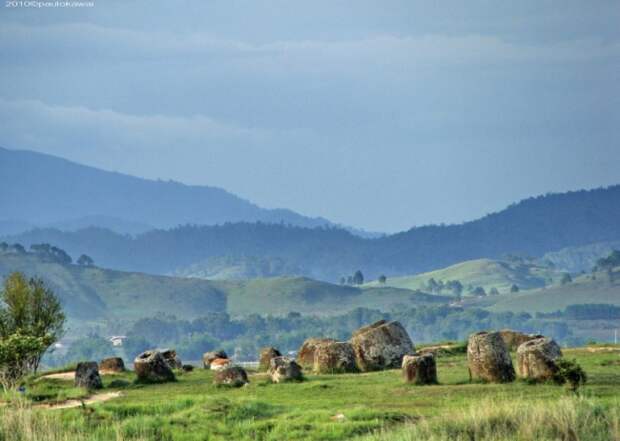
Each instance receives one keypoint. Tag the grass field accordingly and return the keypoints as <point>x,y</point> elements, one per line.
<point>486,273</point>
<point>372,406</point>
<point>95,293</point>
<point>92,294</point>
<point>582,290</point>
<point>280,295</point>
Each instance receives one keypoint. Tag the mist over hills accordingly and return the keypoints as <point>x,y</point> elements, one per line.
<point>531,227</point>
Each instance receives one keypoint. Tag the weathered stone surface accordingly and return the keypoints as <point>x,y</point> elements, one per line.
<point>514,339</point>
<point>536,359</point>
<point>264,359</point>
<point>151,366</point>
<point>208,357</point>
<point>489,358</point>
<point>234,376</point>
<point>112,364</point>
<point>219,364</point>
<point>171,357</point>
<point>305,355</point>
<point>87,375</point>
<point>334,357</point>
<point>282,369</point>
<point>420,369</point>
<point>381,345</point>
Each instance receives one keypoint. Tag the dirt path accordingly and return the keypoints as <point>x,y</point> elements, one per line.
<point>98,398</point>
<point>60,376</point>
<point>70,375</point>
<point>603,349</point>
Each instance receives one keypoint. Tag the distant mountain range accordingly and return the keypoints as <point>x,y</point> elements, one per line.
<point>208,232</point>
<point>46,191</point>
<point>531,227</point>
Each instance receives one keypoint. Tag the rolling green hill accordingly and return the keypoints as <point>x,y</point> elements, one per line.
<point>486,273</point>
<point>581,291</point>
<point>91,293</point>
<point>280,295</point>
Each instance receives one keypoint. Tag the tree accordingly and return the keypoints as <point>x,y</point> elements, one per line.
<point>566,279</point>
<point>52,253</point>
<point>494,291</point>
<point>455,286</point>
<point>16,354</point>
<point>479,291</point>
<point>30,309</point>
<point>92,347</point>
<point>432,285</point>
<point>133,346</point>
<point>358,278</point>
<point>343,280</point>
<point>514,288</point>
<point>382,279</point>
<point>85,260</point>
<point>609,262</point>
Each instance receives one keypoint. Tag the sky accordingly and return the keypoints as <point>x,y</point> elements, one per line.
<point>382,115</point>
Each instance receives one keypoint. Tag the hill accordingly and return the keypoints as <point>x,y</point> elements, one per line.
<point>485,273</point>
<point>41,189</point>
<point>91,293</point>
<point>51,190</point>
<point>532,227</point>
<point>238,268</point>
<point>583,290</point>
<point>281,295</point>
<point>581,258</point>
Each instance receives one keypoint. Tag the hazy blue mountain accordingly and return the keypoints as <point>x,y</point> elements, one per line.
<point>531,227</point>
<point>117,225</point>
<point>581,258</point>
<point>14,226</point>
<point>43,190</point>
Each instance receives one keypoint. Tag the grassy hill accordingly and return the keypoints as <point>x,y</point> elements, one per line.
<point>281,295</point>
<point>486,273</point>
<point>90,293</point>
<point>582,290</point>
<point>376,406</point>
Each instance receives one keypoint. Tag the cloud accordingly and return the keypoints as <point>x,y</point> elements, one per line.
<point>37,124</point>
<point>79,42</point>
<point>411,108</point>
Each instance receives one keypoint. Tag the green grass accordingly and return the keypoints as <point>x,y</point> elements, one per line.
<point>570,418</point>
<point>557,297</point>
<point>280,295</point>
<point>375,403</point>
<point>486,273</point>
<point>94,294</point>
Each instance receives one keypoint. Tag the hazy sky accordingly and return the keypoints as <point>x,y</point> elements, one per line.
<point>377,114</point>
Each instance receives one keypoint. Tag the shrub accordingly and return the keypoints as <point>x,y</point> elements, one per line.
<point>570,373</point>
